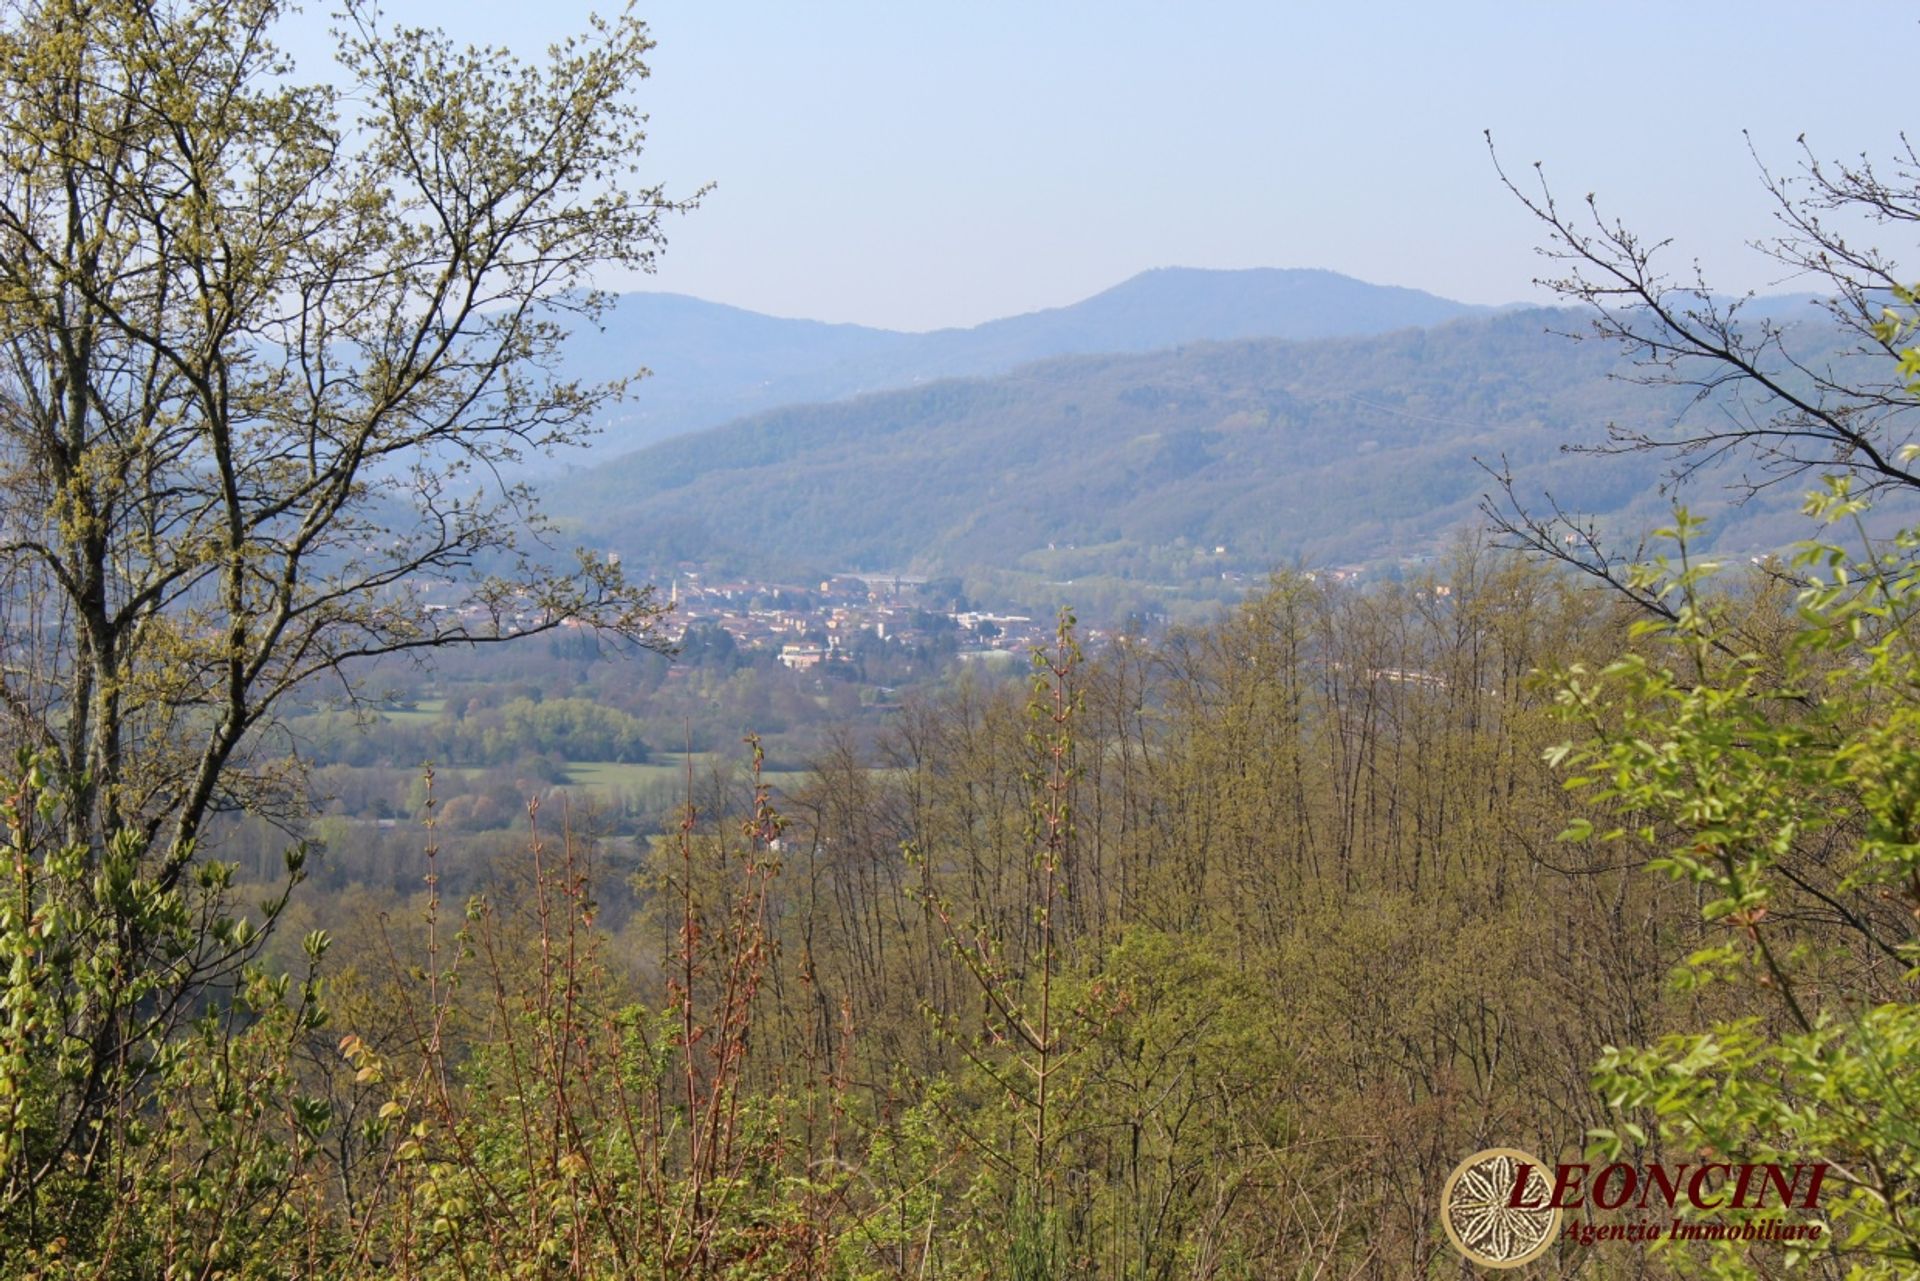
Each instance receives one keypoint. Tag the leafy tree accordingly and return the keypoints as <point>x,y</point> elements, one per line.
<point>189,1142</point>
<point>1787,796</point>
<point>262,343</point>
<point>254,342</point>
<point>1778,779</point>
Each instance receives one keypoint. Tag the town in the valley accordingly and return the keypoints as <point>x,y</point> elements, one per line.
<point>829,621</point>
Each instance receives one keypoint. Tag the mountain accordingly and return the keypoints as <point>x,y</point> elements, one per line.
<point>1139,466</point>
<point>709,363</point>
<point>1177,305</point>
<point>712,363</point>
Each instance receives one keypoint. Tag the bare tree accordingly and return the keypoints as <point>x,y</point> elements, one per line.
<point>1782,400</point>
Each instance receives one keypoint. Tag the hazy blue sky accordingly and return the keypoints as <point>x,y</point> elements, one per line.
<point>918,164</point>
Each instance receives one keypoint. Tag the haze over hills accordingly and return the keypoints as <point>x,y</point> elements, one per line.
<point>712,363</point>
<point>1141,466</point>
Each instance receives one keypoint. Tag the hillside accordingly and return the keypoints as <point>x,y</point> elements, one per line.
<point>1140,466</point>
<point>711,363</point>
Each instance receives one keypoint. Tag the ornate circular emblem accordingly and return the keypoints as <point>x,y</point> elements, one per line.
<point>1477,1210</point>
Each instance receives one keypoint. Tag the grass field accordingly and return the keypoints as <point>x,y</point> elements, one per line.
<point>421,713</point>
<point>602,778</point>
<point>605,776</point>
<point>611,775</point>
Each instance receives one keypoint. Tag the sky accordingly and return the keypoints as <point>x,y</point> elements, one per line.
<point>918,165</point>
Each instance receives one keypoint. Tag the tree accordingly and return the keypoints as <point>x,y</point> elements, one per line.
<point>1788,799</point>
<point>264,349</point>
<point>1787,401</point>
<point>1778,779</point>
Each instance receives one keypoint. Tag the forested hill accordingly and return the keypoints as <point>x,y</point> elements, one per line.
<point>1139,465</point>
<point>711,363</point>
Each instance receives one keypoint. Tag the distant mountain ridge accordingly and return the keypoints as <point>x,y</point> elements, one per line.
<point>1171,306</point>
<point>712,363</point>
<point>1142,466</point>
